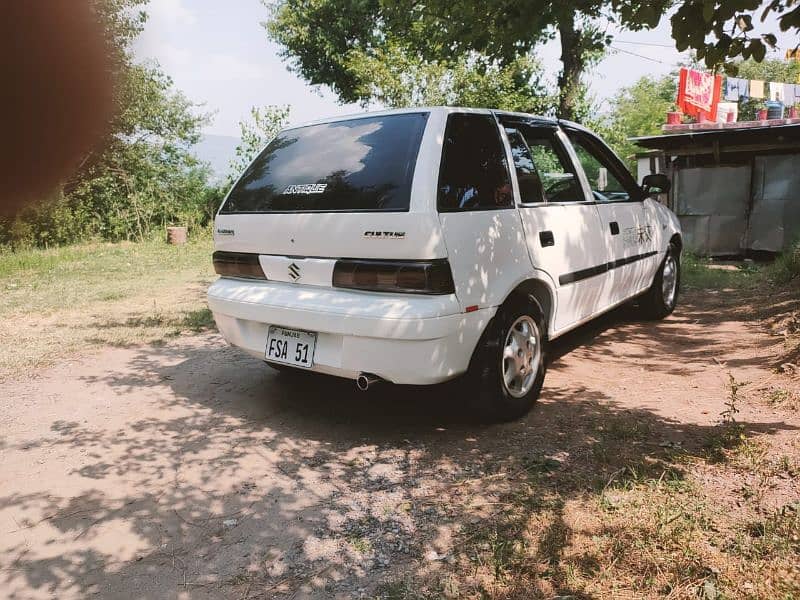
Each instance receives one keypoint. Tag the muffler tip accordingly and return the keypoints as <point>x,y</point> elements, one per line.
<point>364,380</point>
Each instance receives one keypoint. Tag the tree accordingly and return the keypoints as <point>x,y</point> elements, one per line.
<point>638,110</point>
<point>362,64</point>
<point>392,77</point>
<point>264,124</point>
<point>502,31</point>
<point>786,71</point>
<point>720,30</point>
<point>328,42</point>
<point>143,175</point>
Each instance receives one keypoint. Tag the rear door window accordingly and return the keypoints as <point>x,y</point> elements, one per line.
<point>364,164</point>
<point>559,180</point>
<point>474,171</point>
<point>530,184</point>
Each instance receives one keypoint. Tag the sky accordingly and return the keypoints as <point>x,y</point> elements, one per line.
<point>218,54</point>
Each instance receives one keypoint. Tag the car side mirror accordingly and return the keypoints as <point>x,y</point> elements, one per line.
<point>657,183</point>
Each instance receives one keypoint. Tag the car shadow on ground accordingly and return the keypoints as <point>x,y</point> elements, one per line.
<point>254,484</point>
<point>245,386</point>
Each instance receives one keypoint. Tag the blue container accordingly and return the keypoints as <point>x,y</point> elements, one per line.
<point>774,109</point>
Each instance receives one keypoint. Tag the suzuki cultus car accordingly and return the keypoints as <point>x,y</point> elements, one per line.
<point>421,245</point>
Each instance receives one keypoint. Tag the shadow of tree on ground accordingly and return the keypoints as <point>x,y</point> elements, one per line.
<point>245,483</point>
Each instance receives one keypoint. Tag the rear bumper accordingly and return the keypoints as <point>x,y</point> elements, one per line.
<point>407,339</point>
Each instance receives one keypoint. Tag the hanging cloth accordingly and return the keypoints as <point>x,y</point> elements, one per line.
<point>699,93</point>
<point>776,91</point>
<point>792,93</point>
<point>756,88</point>
<point>732,89</point>
<point>744,89</point>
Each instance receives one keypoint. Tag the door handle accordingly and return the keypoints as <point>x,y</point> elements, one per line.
<point>614,227</point>
<point>546,239</point>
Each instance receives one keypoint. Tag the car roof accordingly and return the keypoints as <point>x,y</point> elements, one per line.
<point>429,109</point>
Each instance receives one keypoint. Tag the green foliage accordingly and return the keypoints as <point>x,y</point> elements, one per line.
<point>768,70</point>
<point>320,37</point>
<point>144,176</point>
<point>400,52</point>
<point>513,28</point>
<point>316,37</point>
<point>786,266</point>
<point>702,274</point>
<point>638,110</point>
<point>394,77</point>
<point>723,30</point>
<point>264,124</point>
<point>748,108</point>
<point>373,52</point>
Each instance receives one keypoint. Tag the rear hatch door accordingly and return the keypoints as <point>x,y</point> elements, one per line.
<point>342,189</point>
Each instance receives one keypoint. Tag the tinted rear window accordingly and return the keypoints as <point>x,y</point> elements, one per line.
<point>474,173</point>
<point>356,165</point>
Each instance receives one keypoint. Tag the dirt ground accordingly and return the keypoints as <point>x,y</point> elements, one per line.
<point>192,471</point>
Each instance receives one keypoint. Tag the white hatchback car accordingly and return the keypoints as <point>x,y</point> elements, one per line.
<point>419,245</point>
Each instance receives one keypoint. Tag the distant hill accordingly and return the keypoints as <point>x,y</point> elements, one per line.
<point>218,151</point>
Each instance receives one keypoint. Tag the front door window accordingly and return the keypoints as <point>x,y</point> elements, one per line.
<point>544,171</point>
<point>608,180</point>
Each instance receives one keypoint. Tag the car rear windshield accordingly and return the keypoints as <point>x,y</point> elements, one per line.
<point>363,164</point>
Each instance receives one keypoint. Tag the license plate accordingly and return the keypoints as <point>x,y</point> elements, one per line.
<point>291,347</point>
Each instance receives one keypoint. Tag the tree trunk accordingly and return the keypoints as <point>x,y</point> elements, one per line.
<point>569,81</point>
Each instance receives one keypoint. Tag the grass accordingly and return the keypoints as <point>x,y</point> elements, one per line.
<point>786,267</point>
<point>60,301</point>
<point>649,535</point>
<point>63,300</point>
<point>699,272</point>
<point>50,280</point>
<point>620,523</point>
<point>361,545</point>
<point>704,273</point>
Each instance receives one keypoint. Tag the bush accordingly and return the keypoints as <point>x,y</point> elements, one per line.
<point>98,211</point>
<point>786,266</point>
<point>54,221</point>
<point>143,176</point>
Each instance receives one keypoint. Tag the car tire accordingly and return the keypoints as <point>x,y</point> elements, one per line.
<point>662,297</point>
<point>508,367</point>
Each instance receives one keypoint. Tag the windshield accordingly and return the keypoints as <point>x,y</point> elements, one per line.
<point>361,164</point>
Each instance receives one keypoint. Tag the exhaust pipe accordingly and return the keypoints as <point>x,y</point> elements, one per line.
<point>365,380</point>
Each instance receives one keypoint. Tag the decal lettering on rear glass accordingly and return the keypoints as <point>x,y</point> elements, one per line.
<point>306,188</point>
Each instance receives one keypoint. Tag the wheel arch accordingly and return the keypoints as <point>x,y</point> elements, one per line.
<point>533,290</point>
<point>677,241</point>
<point>540,293</point>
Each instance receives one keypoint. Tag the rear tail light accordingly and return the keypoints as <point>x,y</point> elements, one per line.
<point>411,277</point>
<point>238,264</point>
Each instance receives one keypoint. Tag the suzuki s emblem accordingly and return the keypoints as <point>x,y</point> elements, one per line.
<point>294,272</point>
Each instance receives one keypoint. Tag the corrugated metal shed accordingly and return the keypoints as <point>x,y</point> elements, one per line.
<point>734,189</point>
